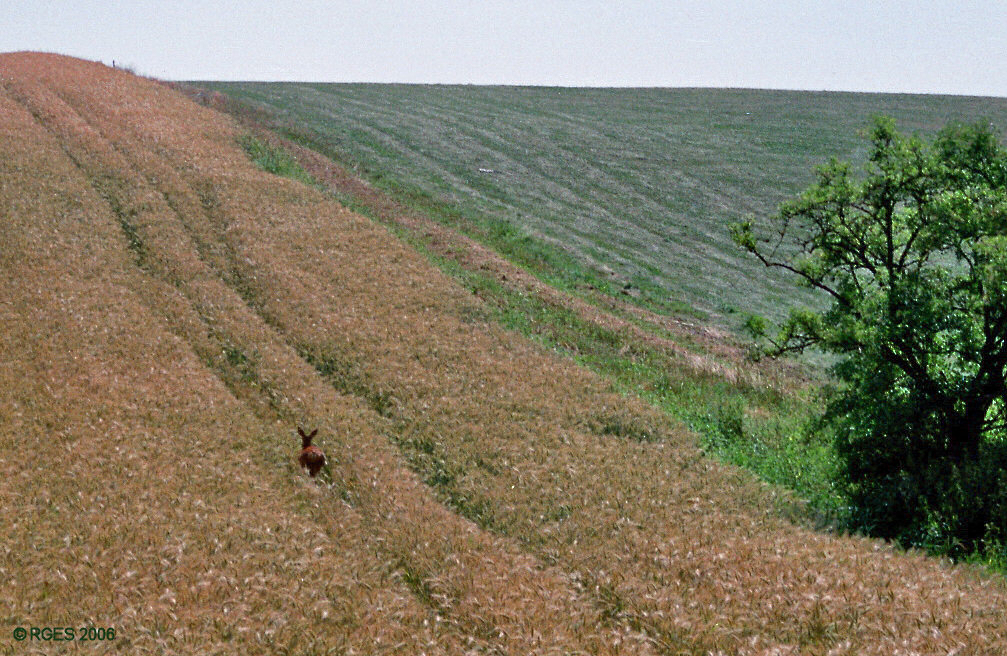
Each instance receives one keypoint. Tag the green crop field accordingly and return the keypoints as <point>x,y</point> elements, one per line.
<point>638,185</point>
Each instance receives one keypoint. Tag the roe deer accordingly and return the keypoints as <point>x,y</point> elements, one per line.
<point>311,457</point>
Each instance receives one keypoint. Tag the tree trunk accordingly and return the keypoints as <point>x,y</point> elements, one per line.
<point>965,429</point>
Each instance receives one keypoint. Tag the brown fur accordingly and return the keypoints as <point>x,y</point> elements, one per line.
<point>311,457</point>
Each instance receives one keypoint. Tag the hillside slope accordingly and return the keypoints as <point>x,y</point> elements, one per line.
<point>640,183</point>
<point>171,313</point>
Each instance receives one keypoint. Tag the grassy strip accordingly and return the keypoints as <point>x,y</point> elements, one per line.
<point>275,160</point>
<point>761,429</point>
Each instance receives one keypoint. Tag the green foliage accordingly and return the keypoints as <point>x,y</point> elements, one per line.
<point>728,420</point>
<point>913,258</point>
<point>274,160</point>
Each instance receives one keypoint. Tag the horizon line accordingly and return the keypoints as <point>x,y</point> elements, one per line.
<point>587,87</point>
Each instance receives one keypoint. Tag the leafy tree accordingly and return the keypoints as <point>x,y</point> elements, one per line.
<point>913,257</point>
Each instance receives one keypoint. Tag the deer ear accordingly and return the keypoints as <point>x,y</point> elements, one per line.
<point>313,433</point>
<point>300,432</point>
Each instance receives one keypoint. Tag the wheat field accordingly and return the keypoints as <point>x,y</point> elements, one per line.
<point>171,313</point>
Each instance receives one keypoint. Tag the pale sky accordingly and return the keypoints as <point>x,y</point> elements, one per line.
<point>943,46</point>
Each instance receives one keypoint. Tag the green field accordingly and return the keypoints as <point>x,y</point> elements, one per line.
<point>638,185</point>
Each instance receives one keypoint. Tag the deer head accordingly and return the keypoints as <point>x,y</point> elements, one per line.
<point>306,437</point>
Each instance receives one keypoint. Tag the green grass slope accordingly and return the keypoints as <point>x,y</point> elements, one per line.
<point>638,185</point>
